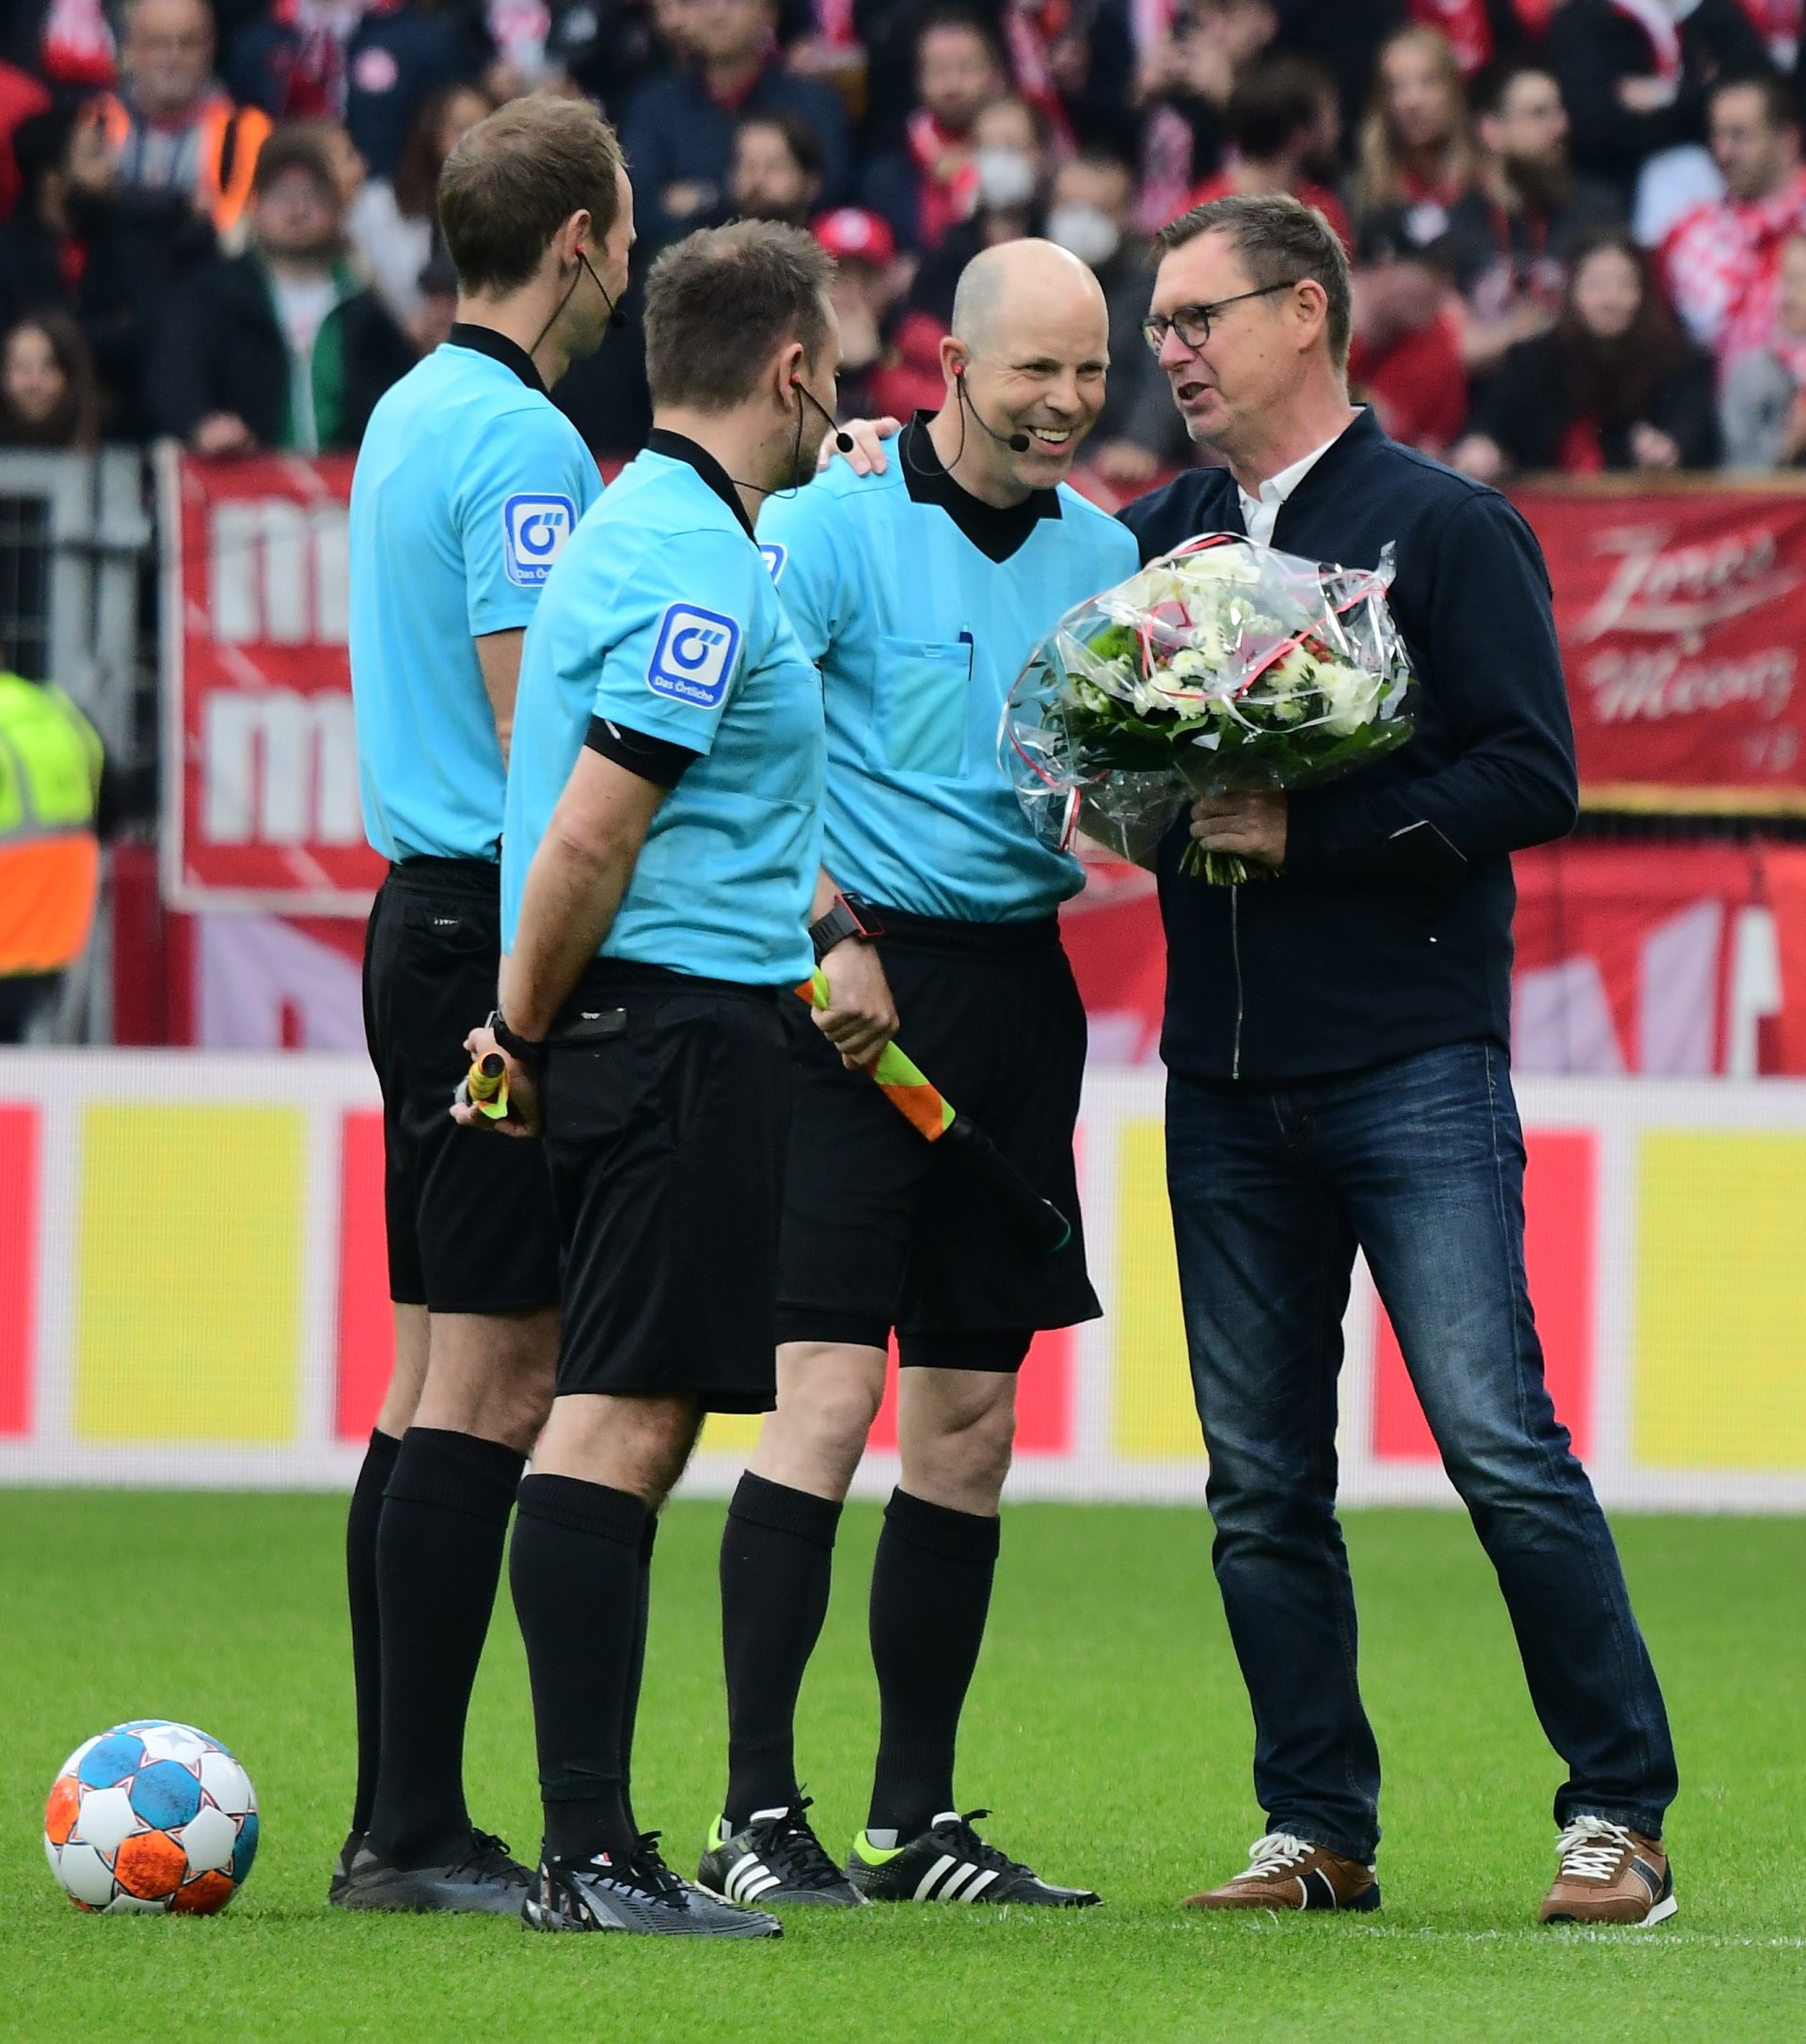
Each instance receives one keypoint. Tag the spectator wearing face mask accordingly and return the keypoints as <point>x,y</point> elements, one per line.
<point>1091,215</point>
<point>1417,154</point>
<point>171,126</point>
<point>1284,127</point>
<point>281,347</point>
<point>678,133</point>
<point>1009,173</point>
<point>776,170</point>
<point>931,185</point>
<point>48,396</point>
<point>367,63</point>
<point>1616,385</point>
<point>393,222</point>
<point>1764,406</point>
<point>1510,238</point>
<point>1722,262</point>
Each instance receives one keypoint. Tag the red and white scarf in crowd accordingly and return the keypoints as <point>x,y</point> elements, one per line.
<point>949,191</point>
<point>75,46</point>
<point>1723,262</point>
<point>316,82</point>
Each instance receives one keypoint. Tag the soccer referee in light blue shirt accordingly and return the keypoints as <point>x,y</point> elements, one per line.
<point>920,593</point>
<point>469,483</point>
<point>663,839</point>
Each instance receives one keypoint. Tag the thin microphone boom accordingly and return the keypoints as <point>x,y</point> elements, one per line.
<point>1018,443</point>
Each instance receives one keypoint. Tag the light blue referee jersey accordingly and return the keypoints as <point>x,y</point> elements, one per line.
<point>661,620</point>
<point>920,605</point>
<point>469,483</point>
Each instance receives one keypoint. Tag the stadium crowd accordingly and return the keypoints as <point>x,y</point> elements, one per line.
<point>1578,226</point>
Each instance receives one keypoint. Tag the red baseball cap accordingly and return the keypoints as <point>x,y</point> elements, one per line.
<point>851,234</point>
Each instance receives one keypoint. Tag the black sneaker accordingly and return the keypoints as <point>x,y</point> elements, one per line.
<point>776,1859</point>
<point>642,1894</point>
<point>353,1845</point>
<point>950,1862</point>
<point>481,1880</point>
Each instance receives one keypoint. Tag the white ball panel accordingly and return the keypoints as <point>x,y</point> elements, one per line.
<point>209,1839</point>
<point>125,1904</point>
<point>108,1819</point>
<point>227,1782</point>
<point>86,1875</point>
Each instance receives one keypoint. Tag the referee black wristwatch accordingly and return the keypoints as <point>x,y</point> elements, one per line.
<point>523,1049</point>
<point>845,919</point>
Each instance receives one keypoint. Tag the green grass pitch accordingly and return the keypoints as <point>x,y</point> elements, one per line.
<point>1107,1727</point>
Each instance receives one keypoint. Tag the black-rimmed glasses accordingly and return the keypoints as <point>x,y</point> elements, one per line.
<point>1192,322</point>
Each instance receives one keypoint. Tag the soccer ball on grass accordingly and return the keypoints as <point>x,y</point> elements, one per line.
<point>149,1817</point>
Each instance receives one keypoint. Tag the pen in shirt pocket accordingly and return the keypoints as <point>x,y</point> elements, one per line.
<point>972,650</point>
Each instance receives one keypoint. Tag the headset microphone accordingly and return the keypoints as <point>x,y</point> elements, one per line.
<point>616,319</point>
<point>1018,443</point>
<point>843,439</point>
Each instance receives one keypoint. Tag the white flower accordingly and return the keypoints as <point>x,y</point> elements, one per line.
<point>1350,698</point>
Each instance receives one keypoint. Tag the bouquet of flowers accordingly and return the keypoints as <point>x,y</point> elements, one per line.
<point>1222,666</point>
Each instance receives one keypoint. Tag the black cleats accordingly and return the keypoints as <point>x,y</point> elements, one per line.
<point>480,1880</point>
<point>642,1895</point>
<point>776,1860</point>
<point>950,1862</point>
<point>342,1867</point>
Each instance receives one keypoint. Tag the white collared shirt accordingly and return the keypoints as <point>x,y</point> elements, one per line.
<point>1260,513</point>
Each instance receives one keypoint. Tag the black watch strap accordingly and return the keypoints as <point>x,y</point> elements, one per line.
<point>523,1049</point>
<point>842,921</point>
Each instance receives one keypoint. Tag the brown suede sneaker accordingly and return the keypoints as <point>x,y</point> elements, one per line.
<point>1610,1874</point>
<point>1287,1872</point>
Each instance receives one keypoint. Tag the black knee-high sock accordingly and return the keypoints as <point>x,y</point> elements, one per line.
<point>438,1559</point>
<point>577,1569</point>
<point>636,1666</point>
<point>930,1594</point>
<point>366,1624</point>
<point>777,1563</point>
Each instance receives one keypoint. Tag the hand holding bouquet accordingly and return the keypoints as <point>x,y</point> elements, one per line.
<point>1222,666</point>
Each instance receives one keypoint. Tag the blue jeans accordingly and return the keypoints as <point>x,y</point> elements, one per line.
<point>1420,1163</point>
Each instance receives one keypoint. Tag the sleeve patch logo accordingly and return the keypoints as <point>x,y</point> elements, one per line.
<point>693,661</point>
<point>533,532</point>
<point>774,557</point>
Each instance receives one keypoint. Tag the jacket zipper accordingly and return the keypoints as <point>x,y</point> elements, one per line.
<point>1235,948</point>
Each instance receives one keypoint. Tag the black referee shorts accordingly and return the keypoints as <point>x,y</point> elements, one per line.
<point>883,1230</point>
<point>471,1222</point>
<point>666,1099</point>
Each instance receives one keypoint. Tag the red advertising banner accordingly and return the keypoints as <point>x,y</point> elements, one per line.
<point>261,806</point>
<point>1680,610</point>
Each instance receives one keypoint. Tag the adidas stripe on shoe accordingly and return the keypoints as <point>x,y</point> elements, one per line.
<point>775,1861</point>
<point>950,1862</point>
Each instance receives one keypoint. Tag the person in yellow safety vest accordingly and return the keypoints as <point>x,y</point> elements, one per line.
<point>172,128</point>
<point>50,848</point>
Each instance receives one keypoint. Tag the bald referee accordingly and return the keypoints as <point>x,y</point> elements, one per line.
<point>664,829</point>
<point>468,482</point>
<point>919,593</point>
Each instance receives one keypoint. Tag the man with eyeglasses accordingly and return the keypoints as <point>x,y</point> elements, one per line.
<point>1338,1043</point>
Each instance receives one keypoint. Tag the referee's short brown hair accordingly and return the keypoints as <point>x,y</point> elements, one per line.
<point>1280,241</point>
<point>720,301</point>
<point>515,180</point>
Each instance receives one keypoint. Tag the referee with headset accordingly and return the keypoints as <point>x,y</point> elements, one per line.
<point>919,593</point>
<point>468,482</point>
<point>664,830</point>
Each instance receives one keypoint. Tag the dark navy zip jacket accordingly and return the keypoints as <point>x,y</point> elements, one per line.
<point>1389,929</point>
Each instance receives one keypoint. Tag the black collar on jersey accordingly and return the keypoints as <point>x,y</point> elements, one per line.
<point>996,531</point>
<point>680,447</point>
<point>499,348</point>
